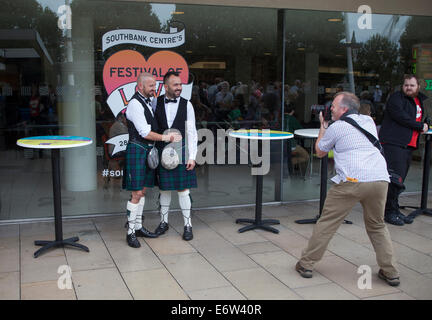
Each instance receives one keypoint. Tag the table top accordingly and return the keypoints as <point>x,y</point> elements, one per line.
<point>308,133</point>
<point>54,142</point>
<point>265,134</point>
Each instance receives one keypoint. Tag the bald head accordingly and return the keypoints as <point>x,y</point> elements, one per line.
<point>143,76</point>
<point>146,84</point>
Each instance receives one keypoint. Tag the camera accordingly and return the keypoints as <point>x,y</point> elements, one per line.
<point>325,109</point>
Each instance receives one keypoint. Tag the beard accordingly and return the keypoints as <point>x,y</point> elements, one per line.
<point>412,94</point>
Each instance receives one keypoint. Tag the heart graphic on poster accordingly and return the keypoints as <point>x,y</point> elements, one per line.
<point>124,67</point>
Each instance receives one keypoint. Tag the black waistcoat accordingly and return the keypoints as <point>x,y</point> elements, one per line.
<point>179,121</point>
<point>133,133</point>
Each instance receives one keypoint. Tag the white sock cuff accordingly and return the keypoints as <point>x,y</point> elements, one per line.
<point>184,193</point>
<point>142,201</point>
<point>132,206</point>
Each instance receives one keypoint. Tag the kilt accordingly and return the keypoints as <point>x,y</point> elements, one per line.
<point>136,173</point>
<point>176,179</point>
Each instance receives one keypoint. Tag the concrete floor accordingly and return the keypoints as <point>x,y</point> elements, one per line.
<point>219,263</point>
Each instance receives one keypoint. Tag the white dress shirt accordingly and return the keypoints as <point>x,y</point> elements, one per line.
<point>191,131</point>
<point>355,156</point>
<point>135,113</point>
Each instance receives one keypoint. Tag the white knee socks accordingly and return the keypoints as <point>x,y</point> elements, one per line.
<point>139,217</point>
<point>165,201</point>
<point>132,210</point>
<point>185,205</point>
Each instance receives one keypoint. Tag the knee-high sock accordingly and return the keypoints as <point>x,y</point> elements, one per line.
<point>132,210</point>
<point>185,205</point>
<point>164,201</point>
<point>139,217</point>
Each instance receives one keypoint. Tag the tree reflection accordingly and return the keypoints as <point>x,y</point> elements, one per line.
<point>379,55</point>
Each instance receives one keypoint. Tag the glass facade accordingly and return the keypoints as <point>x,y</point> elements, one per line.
<point>68,67</point>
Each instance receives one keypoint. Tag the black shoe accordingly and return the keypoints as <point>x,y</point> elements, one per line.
<point>132,241</point>
<point>187,234</point>
<point>393,218</point>
<point>305,273</point>
<point>162,228</point>
<point>394,282</point>
<point>405,219</point>
<point>143,232</point>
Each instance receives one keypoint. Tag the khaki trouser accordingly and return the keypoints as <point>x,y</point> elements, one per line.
<point>341,198</point>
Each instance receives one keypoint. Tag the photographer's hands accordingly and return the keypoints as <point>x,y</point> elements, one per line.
<point>324,124</point>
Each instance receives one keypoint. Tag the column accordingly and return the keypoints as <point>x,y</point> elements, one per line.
<point>78,108</point>
<point>311,82</point>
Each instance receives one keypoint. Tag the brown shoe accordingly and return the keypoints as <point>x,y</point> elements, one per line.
<point>305,273</point>
<point>394,282</point>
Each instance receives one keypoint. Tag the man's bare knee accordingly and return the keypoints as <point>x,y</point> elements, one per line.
<point>136,196</point>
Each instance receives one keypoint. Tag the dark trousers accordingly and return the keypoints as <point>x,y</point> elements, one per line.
<point>399,160</point>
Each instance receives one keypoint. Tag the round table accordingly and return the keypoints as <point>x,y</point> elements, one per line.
<point>425,183</point>
<point>260,135</point>
<point>55,143</point>
<point>313,133</point>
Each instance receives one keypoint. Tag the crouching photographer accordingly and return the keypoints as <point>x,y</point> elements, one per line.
<point>361,176</point>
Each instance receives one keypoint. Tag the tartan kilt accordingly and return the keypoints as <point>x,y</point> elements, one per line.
<point>176,179</point>
<point>136,173</point>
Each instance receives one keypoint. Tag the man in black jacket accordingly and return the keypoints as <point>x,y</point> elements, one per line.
<point>399,136</point>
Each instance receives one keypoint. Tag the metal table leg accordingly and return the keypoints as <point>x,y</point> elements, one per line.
<point>425,184</point>
<point>323,194</point>
<point>59,241</point>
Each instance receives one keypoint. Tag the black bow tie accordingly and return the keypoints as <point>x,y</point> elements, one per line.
<point>170,100</point>
<point>147,100</point>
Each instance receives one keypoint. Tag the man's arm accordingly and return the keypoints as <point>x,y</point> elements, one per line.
<point>135,114</point>
<point>399,115</point>
<point>192,136</point>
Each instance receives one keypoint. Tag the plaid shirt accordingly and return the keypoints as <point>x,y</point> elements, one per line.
<point>356,159</point>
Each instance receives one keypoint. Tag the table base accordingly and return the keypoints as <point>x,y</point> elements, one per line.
<point>314,220</point>
<point>263,225</point>
<point>56,244</point>
<point>419,211</point>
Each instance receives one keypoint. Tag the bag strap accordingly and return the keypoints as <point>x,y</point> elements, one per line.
<point>368,135</point>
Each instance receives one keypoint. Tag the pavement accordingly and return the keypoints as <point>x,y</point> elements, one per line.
<point>219,263</point>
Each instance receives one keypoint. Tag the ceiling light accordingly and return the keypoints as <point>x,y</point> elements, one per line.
<point>247,39</point>
<point>177,12</point>
<point>267,53</point>
<point>212,46</point>
<point>301,49</point>
<point>380,51</point>
<point>334,19</point>
<point>188,51</point>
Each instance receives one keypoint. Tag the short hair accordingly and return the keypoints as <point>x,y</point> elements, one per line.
<point>169,74</point>
<point>365,108</point>
<point>364,95</point>
<point>349,100</point>
<point>144,75</point>
<point>409,77</point>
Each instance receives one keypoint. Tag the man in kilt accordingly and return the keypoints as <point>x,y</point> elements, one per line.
<point>137,176</point>
<point>175,112</point>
